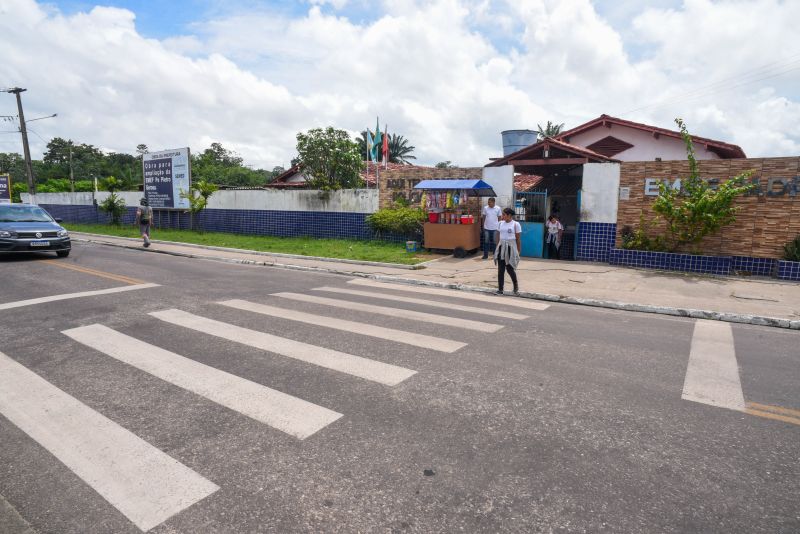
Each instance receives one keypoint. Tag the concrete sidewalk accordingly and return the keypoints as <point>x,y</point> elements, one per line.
<point>755,301</point>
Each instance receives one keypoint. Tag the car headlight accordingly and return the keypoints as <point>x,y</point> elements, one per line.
<point>63,233</point>
<point>6,233</point>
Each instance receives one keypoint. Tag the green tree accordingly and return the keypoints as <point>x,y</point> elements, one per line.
<point>330,160</point>
<point>197,195</point>
<point>696,209</point>
<point>551,130</point>
<point>445,165</point>
<point>13,164</point>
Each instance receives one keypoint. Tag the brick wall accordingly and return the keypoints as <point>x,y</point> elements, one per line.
<point>765,221</point>
<point>396,183</point>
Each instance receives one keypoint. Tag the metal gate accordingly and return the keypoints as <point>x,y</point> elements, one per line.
<point>531,211</point>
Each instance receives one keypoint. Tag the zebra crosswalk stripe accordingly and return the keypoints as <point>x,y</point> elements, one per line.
<point>478,326</point>
<point>493,301</point>
<point>494,312</point>
<point>380,372</point>
<point>146,485</point>
<point>400,336</point>
<point>284,412</point>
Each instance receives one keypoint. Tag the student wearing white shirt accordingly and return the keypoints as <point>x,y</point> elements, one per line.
<point>554,232</point>
<point>489,222</point>
<point>506,255</point>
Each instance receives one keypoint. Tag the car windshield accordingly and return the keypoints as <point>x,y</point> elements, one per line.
<point>23,214</point>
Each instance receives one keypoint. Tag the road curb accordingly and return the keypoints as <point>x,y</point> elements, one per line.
<point>415,267</point>
<point>757,320</point>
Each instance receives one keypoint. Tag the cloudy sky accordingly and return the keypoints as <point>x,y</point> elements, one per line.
<point>449,75</point>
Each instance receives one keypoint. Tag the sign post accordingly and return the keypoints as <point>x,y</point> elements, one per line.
<point>166,174</point>
<point>5,189</point>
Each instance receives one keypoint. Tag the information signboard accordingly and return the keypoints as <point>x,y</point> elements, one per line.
<point>166,174</point>
<point>5,188</point>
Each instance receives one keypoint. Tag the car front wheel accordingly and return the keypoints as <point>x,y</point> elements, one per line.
<point>62,253</point>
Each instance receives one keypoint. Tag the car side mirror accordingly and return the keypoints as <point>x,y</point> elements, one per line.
<point>59,220</point>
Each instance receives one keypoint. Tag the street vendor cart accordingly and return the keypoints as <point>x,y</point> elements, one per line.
<point>454,214</point>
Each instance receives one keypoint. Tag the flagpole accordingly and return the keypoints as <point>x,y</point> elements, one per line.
<point>369,150</point>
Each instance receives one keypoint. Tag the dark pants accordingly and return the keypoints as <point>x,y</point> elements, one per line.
<point>553,251</point>
<point>488,242</point>
<point>501,267</point>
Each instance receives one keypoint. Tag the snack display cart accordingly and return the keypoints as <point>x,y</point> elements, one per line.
<point>454,214</point>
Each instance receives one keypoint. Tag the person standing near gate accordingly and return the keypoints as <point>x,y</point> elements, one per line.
<point>144,216</point>
<point>490,216</point>
<point>506,255</point>
<point>554,232</point>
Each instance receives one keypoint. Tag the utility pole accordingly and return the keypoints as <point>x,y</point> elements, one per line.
<point>25,148</point>
<point>71,176</point>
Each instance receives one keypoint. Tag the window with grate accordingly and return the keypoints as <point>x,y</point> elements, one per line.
<point>609,146</point>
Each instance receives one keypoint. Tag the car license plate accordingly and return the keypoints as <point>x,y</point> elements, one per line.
<point>40,243</point>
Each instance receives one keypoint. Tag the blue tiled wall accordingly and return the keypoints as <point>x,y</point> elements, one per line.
<point>595,240</point>
<point>754,266</point>
<point>789,270</point>
<point>720,265</point>
<point>258,222</point>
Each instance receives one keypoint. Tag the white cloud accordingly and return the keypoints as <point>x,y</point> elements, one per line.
<point>447,74</point>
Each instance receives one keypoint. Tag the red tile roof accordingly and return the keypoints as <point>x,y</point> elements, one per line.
<point>723,150</point>
<point>572,150</point>
<point>367,174</point>
<point>524,182</point>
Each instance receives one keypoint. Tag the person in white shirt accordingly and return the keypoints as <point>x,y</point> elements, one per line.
<point>490,216</point>
<point>506,255</point>
<point>554,232</point>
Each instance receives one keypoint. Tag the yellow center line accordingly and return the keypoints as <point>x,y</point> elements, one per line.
<point>777,417</point>
<point>93,272</point>
<point>774,409</point>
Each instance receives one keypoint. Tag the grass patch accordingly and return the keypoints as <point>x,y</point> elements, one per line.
<point>348,249</point>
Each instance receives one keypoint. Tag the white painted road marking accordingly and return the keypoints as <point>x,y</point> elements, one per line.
<point>493,312</point>
<point>489,300</point>
<point>67,296</point>
<point>288,414</point>
<point>143,483</point>
<point>380,372</point>
<point>712,376</point>
<point>479,326</point>
<point>400,336</point>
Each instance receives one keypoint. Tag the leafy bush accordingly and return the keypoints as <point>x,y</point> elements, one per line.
<point>697,209</point>
<point>16,189</point>
<point>114,206</point>
<point>399,220</point>
<point>639,239</point>
<point>791,250</point>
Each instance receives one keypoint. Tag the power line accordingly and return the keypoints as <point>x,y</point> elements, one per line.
<point>764,72</point>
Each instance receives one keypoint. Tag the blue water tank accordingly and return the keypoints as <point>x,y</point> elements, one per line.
<point>514,140</point>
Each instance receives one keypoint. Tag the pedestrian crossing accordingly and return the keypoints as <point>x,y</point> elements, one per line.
<point>380,332</point>
<point>147,485</point>
<point>432,318</point>
<point>283,412</point>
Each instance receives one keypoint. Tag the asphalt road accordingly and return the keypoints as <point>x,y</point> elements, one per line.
<point>570,419</point>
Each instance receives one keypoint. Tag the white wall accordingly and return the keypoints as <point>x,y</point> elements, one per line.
<point>645,146</point>
<point>600,192</point>
<point>347,200</point>
<point>502,181</point>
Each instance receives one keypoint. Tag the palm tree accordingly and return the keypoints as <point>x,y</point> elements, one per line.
<point>361,141</point>
<point>399,150</point>
<point>551,130</point>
